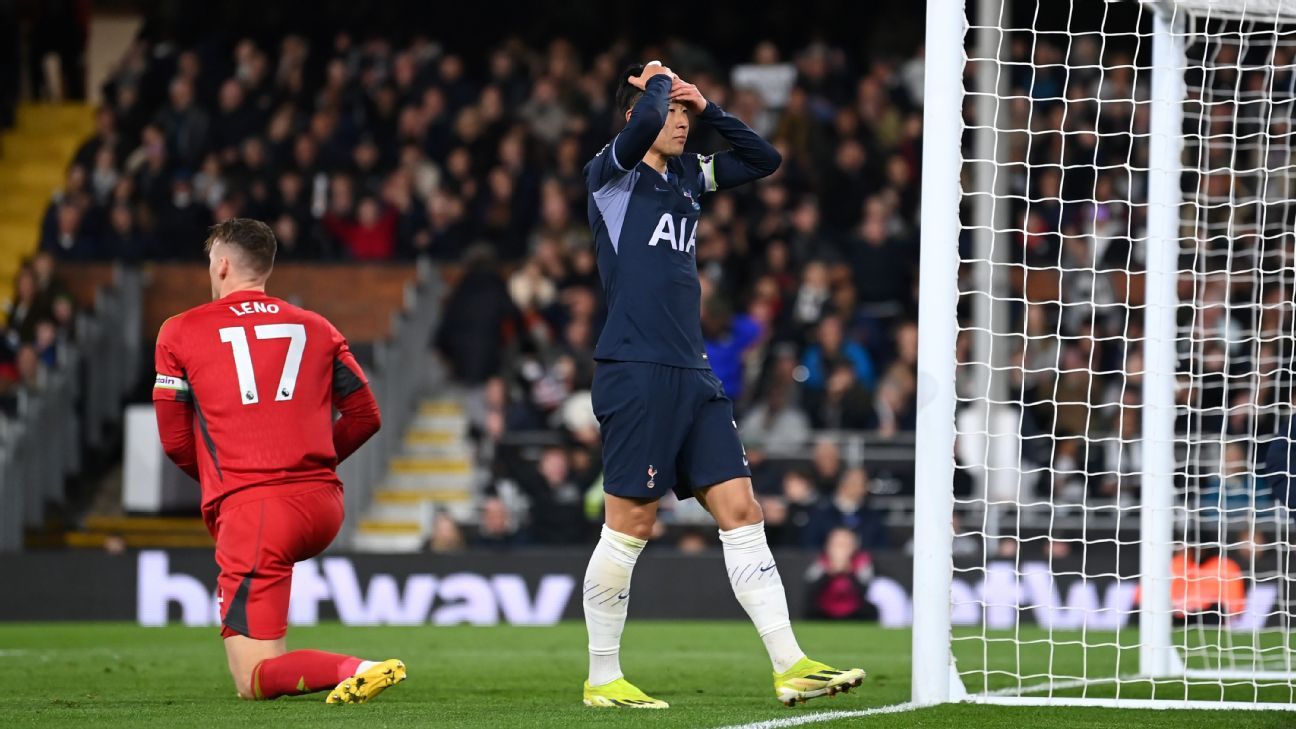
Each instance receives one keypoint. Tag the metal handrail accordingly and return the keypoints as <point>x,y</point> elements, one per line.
<point>397,377</point>
<point>81,396</point>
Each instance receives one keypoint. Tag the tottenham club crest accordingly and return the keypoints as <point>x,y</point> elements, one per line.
<point>689,194</point>
<point>652,476</point>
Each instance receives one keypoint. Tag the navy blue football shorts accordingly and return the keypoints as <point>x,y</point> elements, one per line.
<point>664,428</point>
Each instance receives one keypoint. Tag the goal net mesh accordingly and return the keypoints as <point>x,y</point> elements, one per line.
<point>1050,369</point>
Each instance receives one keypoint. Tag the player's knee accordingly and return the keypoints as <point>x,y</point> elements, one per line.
<point>750,513</point>
<point>631,519</point>
<point>638,528</point>
<point>243,685</point>
<point>740,514</point>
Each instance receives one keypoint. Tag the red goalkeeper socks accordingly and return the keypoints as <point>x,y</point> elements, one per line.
<point>301,672</point>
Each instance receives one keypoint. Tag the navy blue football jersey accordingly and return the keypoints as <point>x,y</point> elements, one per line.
<point>645,235</point>
<point>645,229</point>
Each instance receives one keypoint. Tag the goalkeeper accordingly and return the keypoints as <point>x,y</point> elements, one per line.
<point>665,422</point>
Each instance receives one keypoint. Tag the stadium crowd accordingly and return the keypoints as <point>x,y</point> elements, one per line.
<point>362,150</point>
<point>1076,195</point>
<point>39,323</point>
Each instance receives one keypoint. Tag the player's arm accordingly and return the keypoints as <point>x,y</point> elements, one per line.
<point>647,118</point>
<point>749,158</point>
<point>360,417</point>
<point>173,401</point>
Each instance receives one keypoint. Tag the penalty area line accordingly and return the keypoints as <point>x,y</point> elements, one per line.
<point>825,716</point>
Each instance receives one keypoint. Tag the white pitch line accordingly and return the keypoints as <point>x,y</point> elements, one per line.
<point>910,706</point>
<point>825,716</point>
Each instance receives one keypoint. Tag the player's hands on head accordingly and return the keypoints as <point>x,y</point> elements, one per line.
<point>687,94</point>
<point>652,68</point>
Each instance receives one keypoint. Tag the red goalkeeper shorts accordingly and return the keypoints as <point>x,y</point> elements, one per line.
<point>260,533</point>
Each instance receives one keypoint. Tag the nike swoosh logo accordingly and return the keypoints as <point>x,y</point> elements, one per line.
<point>767,569</point>
<point>623,596</point>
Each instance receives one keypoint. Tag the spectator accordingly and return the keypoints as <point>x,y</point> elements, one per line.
<point>812,295</point>
<point>896,403</point>
<point>844,404</point>
<point>472,330</point>
<point>50,288</point>
<point>775,424</point>
<point>496,529</point>
<point>832,348</point>
<point>849,509</point>
<point>234,121</point>
<point>32,372</point>
<point>827,465</point>
<point>150,167</point>
<point>371,236</point>
<point>106,138</point>
<point>1236,495</point>
<point>46,343</point>
<point>9,381</point>
<point>446,537</point>
<point>883,260</point>
<point>122,241</point>
<point>839,580</point>
<point>27,309</point>
<point>728,338</point>
<point>180,220</point>
<point>849,180</point>
<point>557,502</point>
<point>796,512</point>
<point>544,113</point>
<point>184,123</point>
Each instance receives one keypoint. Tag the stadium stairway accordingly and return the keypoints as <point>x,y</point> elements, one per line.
<point>33,161</point>
<point>140,532</point>
<point>433,473</point>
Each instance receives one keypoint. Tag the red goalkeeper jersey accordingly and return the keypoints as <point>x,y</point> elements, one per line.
<point>245,392</point>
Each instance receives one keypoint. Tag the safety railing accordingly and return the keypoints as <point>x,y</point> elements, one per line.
<point>38,449</point>
<point>113,335</point>
<point>398,374</point>
<point>69,410</point>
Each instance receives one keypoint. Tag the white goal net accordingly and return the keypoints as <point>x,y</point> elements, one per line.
<point>1124,342</point>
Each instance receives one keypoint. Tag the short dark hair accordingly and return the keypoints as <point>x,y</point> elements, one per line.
<point>627,93</point>
<point>254,239</point>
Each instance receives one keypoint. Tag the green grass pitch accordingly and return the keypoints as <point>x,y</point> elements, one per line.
<point>714,675</point>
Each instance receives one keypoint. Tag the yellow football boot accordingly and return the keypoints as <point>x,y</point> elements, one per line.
<point>809,679</point>
<point>367,684</point>
<point>620,694</point>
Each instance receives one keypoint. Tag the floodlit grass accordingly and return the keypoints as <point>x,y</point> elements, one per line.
<point>714,674</point>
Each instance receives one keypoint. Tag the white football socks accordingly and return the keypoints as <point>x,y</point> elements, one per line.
<point>364,666</point>
<point>759,589</point>
<point>607,600</point>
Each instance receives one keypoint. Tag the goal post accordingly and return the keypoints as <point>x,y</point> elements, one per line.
<point>933,676</point>
<point>1107,295</point>
<point>1160,332</point>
